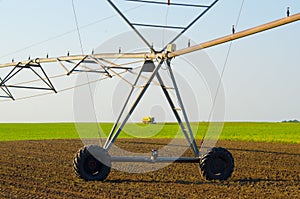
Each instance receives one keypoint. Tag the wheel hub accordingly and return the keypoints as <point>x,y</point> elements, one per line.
<point>218,166</point>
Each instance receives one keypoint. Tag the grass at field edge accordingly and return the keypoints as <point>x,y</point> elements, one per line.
<point>234,131</point>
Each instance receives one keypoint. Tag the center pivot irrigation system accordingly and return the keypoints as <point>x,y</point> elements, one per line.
<point>93,162</point>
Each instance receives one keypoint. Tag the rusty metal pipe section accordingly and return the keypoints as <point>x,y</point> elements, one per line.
<point>237,35</point>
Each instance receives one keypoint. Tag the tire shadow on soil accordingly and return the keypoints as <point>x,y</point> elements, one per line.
<point>257,180</point>
<point>264,151</point>
<point>245,181</point>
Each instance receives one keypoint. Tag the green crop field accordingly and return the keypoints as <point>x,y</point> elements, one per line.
<point>238,131</point>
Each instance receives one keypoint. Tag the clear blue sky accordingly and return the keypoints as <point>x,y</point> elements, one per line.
<point>261,80</point>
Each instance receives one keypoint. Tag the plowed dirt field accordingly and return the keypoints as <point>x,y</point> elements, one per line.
<point>43,169</point>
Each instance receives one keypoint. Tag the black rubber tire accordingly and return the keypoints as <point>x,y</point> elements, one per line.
<point>92,162</point>
<point>217,164</point>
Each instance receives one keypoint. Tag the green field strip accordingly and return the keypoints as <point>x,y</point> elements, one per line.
<point>236,131</point>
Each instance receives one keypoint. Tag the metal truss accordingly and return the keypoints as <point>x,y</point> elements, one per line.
<point>35,68</point>
<point>184,123</point>
<point>183,29</point>
<point>109,69</point>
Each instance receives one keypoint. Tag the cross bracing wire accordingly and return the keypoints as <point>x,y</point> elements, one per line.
<point>169,3</point>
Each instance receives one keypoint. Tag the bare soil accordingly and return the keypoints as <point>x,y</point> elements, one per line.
<point>43,169</point>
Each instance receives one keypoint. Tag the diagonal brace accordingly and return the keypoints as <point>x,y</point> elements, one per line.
<point>114,134</point>
<point>186,132</point>
<point>5,90</point>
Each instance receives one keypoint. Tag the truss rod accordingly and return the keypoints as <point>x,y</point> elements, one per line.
<point>74,68</point>
<point>166,3</point>
<point>6,91</point>
<point>157,26</point>
<point>192,23</point>
<point>48,82</point>
<point>130,24</point>
<point>114,134</point>
<point>90,71</point>
<point>31,87</point>
<point>188,135</point>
